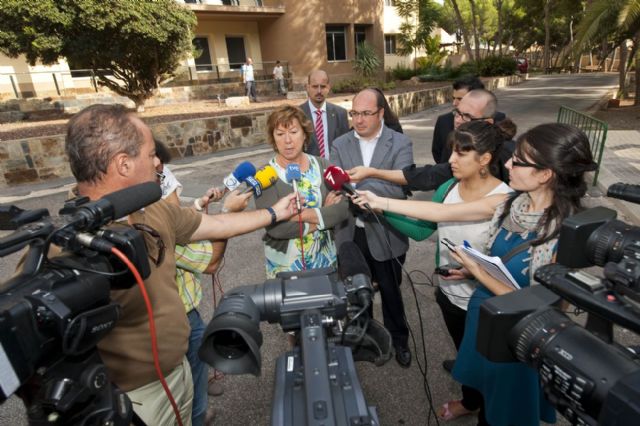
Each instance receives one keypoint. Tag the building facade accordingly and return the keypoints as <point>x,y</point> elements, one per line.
<point>303,35</point>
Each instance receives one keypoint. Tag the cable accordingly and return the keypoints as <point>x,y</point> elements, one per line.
<point>304,263</point>
<point>423,370</point>
<point>152,331</point>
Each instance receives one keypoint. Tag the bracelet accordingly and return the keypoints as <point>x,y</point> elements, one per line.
<point>197,205</point>
<point>274,218</point>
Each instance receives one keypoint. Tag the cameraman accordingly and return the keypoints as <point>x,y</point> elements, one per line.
<point>110,148</point>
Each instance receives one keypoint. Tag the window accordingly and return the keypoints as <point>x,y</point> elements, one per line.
<point>390,44</point>
<point>203,61</point>
<point>235,51</point>
<point>389,2</point>
<point>336,43</point>
<point>359,36</point>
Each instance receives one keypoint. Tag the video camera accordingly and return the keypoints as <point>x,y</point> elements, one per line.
<point>55,311</point>
<point>316,382</point>
<point>588,377</point>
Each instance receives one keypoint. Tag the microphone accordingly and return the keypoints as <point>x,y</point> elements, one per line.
<point>264,178</point>
<point>239,175</point>
<point>338,180</point>
<point>114,206</point>
<point>293,176</point>
<point>625,191</point>
<point>353,268</point>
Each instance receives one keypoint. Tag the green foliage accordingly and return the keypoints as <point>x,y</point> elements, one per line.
<point>497,65</point>
<point>419,18</point>
<point>356,84</point>
<point>367,62</point>
<point>400,72</point>
<point>434,54</point>
<point>138,43</point>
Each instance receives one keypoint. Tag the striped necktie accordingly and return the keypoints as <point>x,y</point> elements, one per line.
<point>320,132</point>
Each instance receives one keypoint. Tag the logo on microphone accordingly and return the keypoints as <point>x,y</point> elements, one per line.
<point>231,182</point>
<point>255,185</point>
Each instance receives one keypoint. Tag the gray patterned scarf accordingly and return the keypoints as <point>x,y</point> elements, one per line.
<point>521,221</point>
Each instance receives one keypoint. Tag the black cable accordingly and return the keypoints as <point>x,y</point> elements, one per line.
<point>352,320</point>
<point>423,370</point>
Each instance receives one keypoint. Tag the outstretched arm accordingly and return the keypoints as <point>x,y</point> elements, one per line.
<point>434,212</point>
<point>224,226</point>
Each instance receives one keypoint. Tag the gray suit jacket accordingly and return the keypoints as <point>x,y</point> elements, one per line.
<point>337,122</point>
<point>393,151</point>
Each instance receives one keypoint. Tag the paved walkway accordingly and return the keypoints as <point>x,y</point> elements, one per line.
<point>621,163</point>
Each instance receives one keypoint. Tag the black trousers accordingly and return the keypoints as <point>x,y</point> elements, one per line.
<point>454,318</point>
<point>388,275</point>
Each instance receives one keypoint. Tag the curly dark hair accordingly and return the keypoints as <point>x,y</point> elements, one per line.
<point>483,137</point>
<point>564,150</point>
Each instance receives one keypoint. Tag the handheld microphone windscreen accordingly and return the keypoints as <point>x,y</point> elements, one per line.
<point>116,205</point>
<point>337,179</point>
<point>241,172</point>
<point>351,261</point>
<point>293,173</point>
<point>266,176</point>
<point>625,191</point>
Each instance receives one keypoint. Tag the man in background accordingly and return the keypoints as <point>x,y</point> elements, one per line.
<point>329,120</point>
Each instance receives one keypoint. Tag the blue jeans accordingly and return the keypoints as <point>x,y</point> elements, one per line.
<point>199,369</point>
<point>250,87</point>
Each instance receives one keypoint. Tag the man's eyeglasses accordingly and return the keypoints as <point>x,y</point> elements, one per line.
<point>466,117</point>
<point>155,250</point>
<point>516,162</point>
<point>364,114</point>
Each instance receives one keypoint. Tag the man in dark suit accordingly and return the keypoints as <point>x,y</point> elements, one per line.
<point>444,123</point>
<point>373,144</point>
<point>329,120</point>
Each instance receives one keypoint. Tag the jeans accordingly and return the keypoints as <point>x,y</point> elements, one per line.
<point>282,89</point>
<point>250,86</point>
<point>199,369</point>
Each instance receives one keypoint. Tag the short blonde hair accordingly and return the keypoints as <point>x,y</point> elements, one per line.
<point>284,116</point>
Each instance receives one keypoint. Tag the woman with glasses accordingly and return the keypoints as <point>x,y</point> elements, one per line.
<point>547,173</point>
<point>306,240</point>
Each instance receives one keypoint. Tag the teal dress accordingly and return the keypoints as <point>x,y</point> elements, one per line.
<point>511,391</point>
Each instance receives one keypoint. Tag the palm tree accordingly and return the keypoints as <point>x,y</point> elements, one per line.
<point>619,21</point>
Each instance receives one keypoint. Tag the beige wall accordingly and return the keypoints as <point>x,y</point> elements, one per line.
<point>299,36</point>
<point>216,32</point>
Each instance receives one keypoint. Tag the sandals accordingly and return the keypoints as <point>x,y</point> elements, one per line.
<point>452,410</point>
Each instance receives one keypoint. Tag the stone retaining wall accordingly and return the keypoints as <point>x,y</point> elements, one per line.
<point>42,158</point>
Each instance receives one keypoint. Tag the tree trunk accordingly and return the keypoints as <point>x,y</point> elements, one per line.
<point>622,70</point>
<point>474,25</point>
<point>547,36</point>
<point>463,29</point>
<point>499,41</point>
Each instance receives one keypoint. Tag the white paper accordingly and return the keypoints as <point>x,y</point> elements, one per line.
<point>493,265</point>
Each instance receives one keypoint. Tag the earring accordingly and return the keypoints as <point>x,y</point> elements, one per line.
<point>484,172</point>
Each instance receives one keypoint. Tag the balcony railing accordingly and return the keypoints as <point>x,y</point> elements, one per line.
<point>255,3</point>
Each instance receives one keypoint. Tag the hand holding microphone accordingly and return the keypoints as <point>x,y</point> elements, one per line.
<point>263,179</point>
<point>369,201</point>
<point>338,180</point>
<point>293,176</point>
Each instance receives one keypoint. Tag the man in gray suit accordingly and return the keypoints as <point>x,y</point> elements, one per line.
<point>329,120</point>
<point>372,144</point>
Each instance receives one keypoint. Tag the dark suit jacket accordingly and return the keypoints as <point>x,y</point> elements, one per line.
<point>393,151</point>
<point>444,125</point>
<point>337,123</point>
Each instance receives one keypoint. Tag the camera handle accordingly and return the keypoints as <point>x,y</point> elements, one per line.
<point>76,391</point>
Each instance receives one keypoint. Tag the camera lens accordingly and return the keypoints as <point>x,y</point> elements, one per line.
<point>608,242</point>
<point>534,331</point>
<point>230,344</point>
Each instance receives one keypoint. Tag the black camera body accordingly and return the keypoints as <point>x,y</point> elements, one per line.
<point>588,377</point>
<point>316,382</point>
<point>54,311</point>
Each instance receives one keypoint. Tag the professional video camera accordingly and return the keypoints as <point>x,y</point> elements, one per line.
<point>54,311</point>
<point>316,382</point>
<point>584,374</point>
